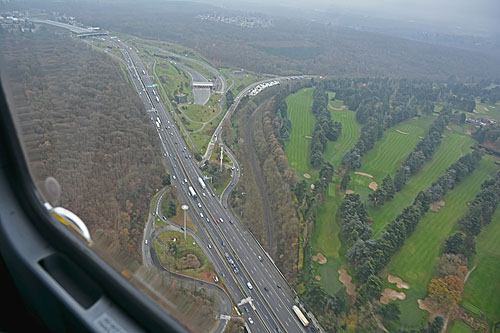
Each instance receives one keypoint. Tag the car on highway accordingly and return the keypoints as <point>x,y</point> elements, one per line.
<point>199,205</point>
<point>246,309</point>
<point>260,258</point>
<point>185,180</point>
<point>163,217</point>
<point>249,285</point>
<point>203,193</point>
<point>265,288</point>
<point>146,241</point>
<point>208,220</point>
<point>250,320</point>
<point>174,177</point>
<point>209,246</point>
<point>230,221</point>
<point>216,279</point>
<point>201,214</point>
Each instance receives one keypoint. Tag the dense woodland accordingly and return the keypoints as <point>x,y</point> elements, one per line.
<point>315,48</point>
<point>82,122</point>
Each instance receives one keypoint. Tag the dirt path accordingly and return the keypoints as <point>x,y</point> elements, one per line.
<point>468,273</point>
<point>257,175</point>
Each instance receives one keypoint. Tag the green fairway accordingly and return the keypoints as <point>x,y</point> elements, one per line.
<point>297,148</point>
<point>351,130</point>
<point>459,327</point>
<point>414,263</point>
<point>327,228</point>
<point>484,281</point>
<point>389,152</point>
<point>452,147</point>
<point>486,110</point>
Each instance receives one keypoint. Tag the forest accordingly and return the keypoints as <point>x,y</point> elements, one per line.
<point>315,48</point>
<point>82,123</point>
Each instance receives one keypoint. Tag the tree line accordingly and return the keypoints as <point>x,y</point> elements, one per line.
<point>414,161</point>
<point>445,289</point>
<point>325,128</point>
<point>369,256</point>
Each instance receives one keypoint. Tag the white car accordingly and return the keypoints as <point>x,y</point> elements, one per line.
<point>203,194</point>
<point>201,214</point>
<point>249,285</point>
<point>250,320</point>
<point>199,205</point>
<point>174,177</point>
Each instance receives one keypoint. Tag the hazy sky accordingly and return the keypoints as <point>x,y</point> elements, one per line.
<point>467,14</point>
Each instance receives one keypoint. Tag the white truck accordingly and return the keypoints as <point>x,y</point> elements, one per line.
<point>202,183</point>
<point>192,192</point>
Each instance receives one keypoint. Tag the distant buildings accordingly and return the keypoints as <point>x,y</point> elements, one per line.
<point>242,21</point>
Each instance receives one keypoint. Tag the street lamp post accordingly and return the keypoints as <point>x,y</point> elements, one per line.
<point>185,208</point>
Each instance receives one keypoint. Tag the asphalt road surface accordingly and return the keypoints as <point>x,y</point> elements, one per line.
<point>229,239</point>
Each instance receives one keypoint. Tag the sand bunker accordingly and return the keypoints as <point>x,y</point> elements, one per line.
<point>319,258</point>
<point>390,295</point>
<point>485,108</point>
<point>308,137</point>
<point>373,186</point>
<point>346,280</point>
<point>306,175</point>
<point>343,107</point>
<point>401,132</point>
<point>448,128</point>
<point>400,283</point>
<point>318,277</point>
<point>424,305</point>
<point>349,192</point>
<point>363,174</point>
<point>436,205</point>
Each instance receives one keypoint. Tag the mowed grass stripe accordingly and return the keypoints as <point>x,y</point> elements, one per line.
<point>351,131</point>
<point>388,153</point>
<point>484,281</point>
<point>298,147</point>
<point>452,147</point>
<point>415,261</point>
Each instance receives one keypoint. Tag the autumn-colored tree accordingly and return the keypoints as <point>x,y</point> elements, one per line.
<point>446,291</point>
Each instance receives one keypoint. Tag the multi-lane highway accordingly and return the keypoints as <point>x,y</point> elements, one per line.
<point>237,255</point>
